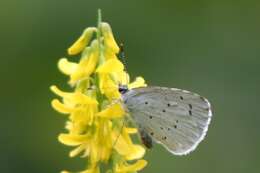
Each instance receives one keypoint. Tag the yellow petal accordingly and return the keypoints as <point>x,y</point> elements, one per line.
<point>108,54</point>
<point>113,111</point>
<point>94,169</point>
<point>109,38</point>
<point>137,152</point>
<point>82,41</point>
<point>60,93</point>
<point>83,87</point>
<point>72,140</point>
<point>84,115</point>
<point>80,98</point>
<point>108,87</point>
<point>86,65</point>
<point>112,94</point>
<point>85,69</point>
<point>106,83</point>
<point>137,166</point>
<point>125,147</point>
<point>110,66</point>
<point>58,106</point>
<point>64,172</point>
<point>121,146</point>
<point>121,77</point>
<point>130,130</point>
<point>86,51</point>
<point>68,125</point>
<point>67,67</point>
<point>76,97</point>
<point>139,82</point>
<point>77,150</point>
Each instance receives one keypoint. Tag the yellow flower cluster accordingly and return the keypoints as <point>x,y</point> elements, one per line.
<point>95,114</point>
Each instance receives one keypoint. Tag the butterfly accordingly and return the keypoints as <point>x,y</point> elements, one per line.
<point>175,118</point>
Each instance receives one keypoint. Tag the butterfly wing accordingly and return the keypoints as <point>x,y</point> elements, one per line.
<point>177,119</point>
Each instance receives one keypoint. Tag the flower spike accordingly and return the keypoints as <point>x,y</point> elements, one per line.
<point>95,125</point>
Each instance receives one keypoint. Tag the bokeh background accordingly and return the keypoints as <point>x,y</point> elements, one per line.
<point>210,47</point>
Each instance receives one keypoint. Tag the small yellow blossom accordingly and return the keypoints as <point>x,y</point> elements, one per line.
<point>109,40</point>
<point>124,167</point>
<point>67,67</point>
<point>139,82</point>
<point>96,125</point>
<point>111,66</point>
<point>82,41</point>
<point>113,111</point>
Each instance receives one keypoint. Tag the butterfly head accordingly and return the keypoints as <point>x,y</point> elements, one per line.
<point>122,89</point>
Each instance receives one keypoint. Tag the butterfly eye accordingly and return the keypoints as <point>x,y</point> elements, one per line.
<point>122,89</point>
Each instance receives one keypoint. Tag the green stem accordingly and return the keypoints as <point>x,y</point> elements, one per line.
<point>99,17</point>
<point>99,27</point>
<point>99,37</point>
<point>100,54</point>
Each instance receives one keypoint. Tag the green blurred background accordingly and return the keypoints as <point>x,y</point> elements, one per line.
<point>210,47</point>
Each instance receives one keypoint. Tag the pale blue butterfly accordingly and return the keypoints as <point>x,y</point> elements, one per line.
<point>177,119</point>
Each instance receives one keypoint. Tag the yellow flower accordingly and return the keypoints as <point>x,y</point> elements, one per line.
<point>109,40</point>
<point>108,87</point>
<point>67,67</point>
<point>124,167</point>
<point>113,111</point>
<point>81,108</point>
<point>126,148</point>
<point>82,41</point>
<point>139,82</point>
<point>96,125</point>
<point>111,66</point>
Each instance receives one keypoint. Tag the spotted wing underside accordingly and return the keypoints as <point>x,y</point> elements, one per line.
<point>177,119</point>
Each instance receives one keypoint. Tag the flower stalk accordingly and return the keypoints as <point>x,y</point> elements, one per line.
<point>95,114</point>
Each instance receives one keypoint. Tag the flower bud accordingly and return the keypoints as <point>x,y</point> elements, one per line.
<point>109,39</point>
<point>82,41</point>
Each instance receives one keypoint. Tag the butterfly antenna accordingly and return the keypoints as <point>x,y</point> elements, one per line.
<point>122,57</point>
<point>121,54</point>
